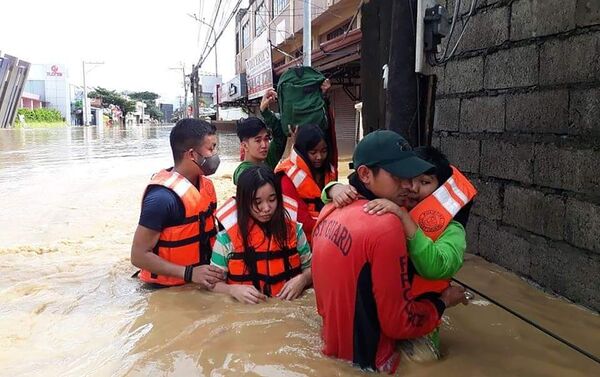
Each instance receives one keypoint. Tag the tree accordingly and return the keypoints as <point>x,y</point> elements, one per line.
<point>111,97</point>
<point>149,98</point>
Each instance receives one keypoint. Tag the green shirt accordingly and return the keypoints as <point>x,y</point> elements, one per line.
<point>440,259</point>
<point>223,248</point>
<point>276,147</point>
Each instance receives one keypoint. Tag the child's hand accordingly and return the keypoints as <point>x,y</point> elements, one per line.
<point>292,288</point>
<point>382,206</point>
<point>342,195</point>
<point>246,294</point>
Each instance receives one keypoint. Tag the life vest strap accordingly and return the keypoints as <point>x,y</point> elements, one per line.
<point>264,255</point>
<point>202,238</point>
<point>274,279</point>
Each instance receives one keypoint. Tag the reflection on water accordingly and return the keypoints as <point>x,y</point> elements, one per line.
<point>69,308</point>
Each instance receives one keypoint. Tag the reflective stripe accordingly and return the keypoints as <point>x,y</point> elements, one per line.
<point>457,191</point>
<point>299,178</point>
<point>294,156</point>
<point>443,196</point>
<point>182,186</point>
<point>229,221</point>
<point>291,206</point>
<point>228,205</point>
<point>171,179</point>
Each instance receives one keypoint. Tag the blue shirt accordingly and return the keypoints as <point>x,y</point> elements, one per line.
<point>161,208</point>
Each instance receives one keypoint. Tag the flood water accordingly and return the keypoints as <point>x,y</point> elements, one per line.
<point>68,307</point>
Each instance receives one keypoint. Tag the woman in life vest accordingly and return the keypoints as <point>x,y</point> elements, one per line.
<point>305,172</point>
<point>263,249</point>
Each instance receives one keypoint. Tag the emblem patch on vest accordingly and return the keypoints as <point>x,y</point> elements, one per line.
<point>431,221</point>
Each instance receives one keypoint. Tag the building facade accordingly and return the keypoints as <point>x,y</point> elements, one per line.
<point>271,31</point>
<point>49,83</point>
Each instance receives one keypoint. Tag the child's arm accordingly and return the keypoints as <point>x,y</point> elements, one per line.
<point>440,259</point>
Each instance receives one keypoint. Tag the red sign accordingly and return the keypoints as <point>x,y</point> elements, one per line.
<point>54,71</point>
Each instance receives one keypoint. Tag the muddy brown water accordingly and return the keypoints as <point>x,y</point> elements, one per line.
<point>68,307</point>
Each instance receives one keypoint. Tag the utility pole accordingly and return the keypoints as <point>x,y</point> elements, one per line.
<point>194,86</point>
<point>212,29</point>
<point>182,68</point>
<point>307,34</point>
<point>85,99</point>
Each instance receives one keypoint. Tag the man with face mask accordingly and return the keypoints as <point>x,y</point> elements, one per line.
<point>173,242</point>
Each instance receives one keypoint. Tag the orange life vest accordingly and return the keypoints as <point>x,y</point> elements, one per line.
<point>274,265</point>
<point>189,243</point>
<point>299,173</point>
<point>433,216</point>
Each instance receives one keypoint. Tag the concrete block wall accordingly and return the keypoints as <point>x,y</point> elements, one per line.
<point>518,109</point>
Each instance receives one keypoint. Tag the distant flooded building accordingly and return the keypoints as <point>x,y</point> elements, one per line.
<point>49,83</point>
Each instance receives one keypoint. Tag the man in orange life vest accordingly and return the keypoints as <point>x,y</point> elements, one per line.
<point>360,266</point>
<point>173,242</point>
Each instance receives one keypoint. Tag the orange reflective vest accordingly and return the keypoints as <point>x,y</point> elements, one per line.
<point>433,216</point>
<point>273,265</point>
<point>299,173</point>
<point>191,242</point>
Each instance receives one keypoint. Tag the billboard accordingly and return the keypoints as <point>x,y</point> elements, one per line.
<point>259,73</point>
<point>233,90</point>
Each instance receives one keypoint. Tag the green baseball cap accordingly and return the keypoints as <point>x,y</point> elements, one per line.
<point>391,152</point>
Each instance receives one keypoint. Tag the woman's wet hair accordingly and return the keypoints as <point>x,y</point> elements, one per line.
<point>189,133</point>
<point>248,184</point>
<point>442,169</point>
<point>308,137</point>
<point>249,127</point>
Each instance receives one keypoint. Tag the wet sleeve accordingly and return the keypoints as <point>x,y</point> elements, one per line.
<point>440,259</point>
<point>303,247</point>
<point>160,209</point>
<point>304,217</point>
<point>326,199</point>
<point>400,316</point>
<point>221,251</point>
<point>277,146</point>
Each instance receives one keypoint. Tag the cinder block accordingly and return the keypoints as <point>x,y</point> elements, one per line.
<point>462,152</point>
<point>534,211</point>
<point>482,114</point>
<point>582,227</point>
<point>504,248</point>
<point>507,160</point>
<point>570,60</point>
<point>568,169</point>
<point>446,114</point>
<point>512,68</point>
<point>465,75</point>
<point>487,28</point>
<point>535,18</point>
<point>473,234</point>
<point>546,112</point>
<point>587,12</point>
<point>488,202</point>
<point>566,270</point>
<point>584,111</point>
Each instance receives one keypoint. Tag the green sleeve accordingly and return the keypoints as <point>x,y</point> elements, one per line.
<point>221,250</point>
<point>240,169</point>
<point>326,199</point>
<point>303,247</point>
<point>440,259</point>
<point>277,146</point>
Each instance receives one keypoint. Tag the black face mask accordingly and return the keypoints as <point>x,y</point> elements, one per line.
<point>209,165</point>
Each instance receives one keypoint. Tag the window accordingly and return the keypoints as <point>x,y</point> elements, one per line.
<point>245,35</point>
<point>337,32</point>
<point>260,17</point>
<point>279,5</point>
<point>237,43</point>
